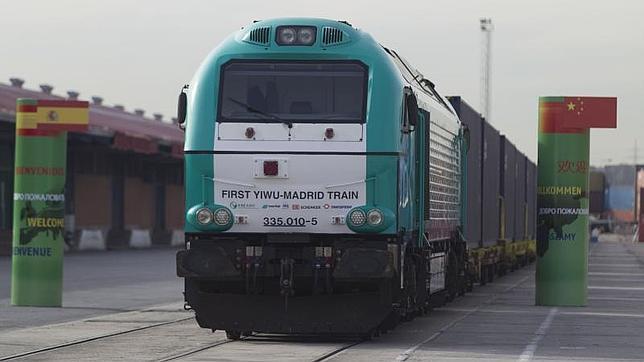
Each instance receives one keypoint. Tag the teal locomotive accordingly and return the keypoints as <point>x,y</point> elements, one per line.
<point>325,182</point>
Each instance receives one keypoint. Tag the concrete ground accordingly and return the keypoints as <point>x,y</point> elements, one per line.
<point>499,322</point>
<point>127,305</point>
<point>97,283</point>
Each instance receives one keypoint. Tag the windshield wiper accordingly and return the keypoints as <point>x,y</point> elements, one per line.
<point>265,114</point>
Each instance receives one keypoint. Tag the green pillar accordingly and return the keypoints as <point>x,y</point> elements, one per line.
<point>562,195</point>
<point>39,202</point>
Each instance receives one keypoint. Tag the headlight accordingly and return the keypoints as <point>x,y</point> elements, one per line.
<point>222,217</point>
<point>357,217</point>
<point>375,217</point>
<point>286,36</point>
<point>306,36</point>
<point>296,35</point>
<point>204,216</point>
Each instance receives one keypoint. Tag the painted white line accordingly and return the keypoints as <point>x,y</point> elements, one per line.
<point>615,288</point>
<point>625,315</point>
<point>616,256</point>
<point>529,350</point>
<point>506,311</point>
<point>617,299</point>
<point>409,352</point>
<point>592,265</point>
<point>618,274</point>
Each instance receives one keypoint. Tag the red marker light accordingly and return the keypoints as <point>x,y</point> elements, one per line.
<point>250,132</point>
<point>328,134</point>
<point>271,168</point>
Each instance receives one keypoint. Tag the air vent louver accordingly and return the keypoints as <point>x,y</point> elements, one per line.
<point>259,36</point>
<point>333,36</point>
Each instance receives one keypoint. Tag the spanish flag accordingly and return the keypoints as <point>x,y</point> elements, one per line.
<point>575,114</point>
<point>46,117</point>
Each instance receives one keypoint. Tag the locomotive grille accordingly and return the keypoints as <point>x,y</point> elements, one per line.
<point>426,170</point>
<point>332,36</point>
<point>260,36</point>
<point>443,175</point>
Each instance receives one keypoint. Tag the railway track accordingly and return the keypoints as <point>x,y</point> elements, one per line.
<point>334,353</point>
<point>88,340</point>
<point>197,350</point>
<point>326,356</point>
<point>254,343</point>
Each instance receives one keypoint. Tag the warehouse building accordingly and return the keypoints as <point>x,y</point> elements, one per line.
<point>124,174</point>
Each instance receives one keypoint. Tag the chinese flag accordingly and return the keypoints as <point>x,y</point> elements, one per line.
<point>570,114</point>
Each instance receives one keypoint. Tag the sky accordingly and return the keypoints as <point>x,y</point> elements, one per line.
<point>140,53</point>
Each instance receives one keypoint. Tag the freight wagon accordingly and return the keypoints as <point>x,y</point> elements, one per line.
<point>501,199</point>
<point>326,185</point>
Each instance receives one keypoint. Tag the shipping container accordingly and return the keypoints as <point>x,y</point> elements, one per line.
<point>508,188</point>
<point>619,175</point>
<point>491,185</point>
<point>619,192</point>
<point>520,198</point>
<point>620,202</point>
<point>472,119</point>
<point>596,202</point>
<point>597,181</point>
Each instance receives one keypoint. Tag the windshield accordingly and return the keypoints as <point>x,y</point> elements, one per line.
<point>262,91</point>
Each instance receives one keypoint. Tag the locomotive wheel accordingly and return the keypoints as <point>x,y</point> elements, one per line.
<point>233,335</point>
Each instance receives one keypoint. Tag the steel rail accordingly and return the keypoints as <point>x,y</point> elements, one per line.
<point>87,340</point>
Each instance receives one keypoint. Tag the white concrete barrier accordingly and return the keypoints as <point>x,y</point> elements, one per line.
<point>92,240</point>
<point>178,238</point>
<point>140,239</point>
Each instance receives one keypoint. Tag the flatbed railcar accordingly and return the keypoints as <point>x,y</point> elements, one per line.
<point>325,184</point>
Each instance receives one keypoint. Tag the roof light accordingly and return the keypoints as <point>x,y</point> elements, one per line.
<point>296,35</point>
<point>286,36</point>
<point>306,35</point>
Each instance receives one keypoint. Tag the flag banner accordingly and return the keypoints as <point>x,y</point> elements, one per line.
<point>39,198</point>
<point>45,117</point>
<point>562,195</point>
<point>572,114</point>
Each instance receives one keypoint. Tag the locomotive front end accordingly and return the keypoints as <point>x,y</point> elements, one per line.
<point>291,195</point>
